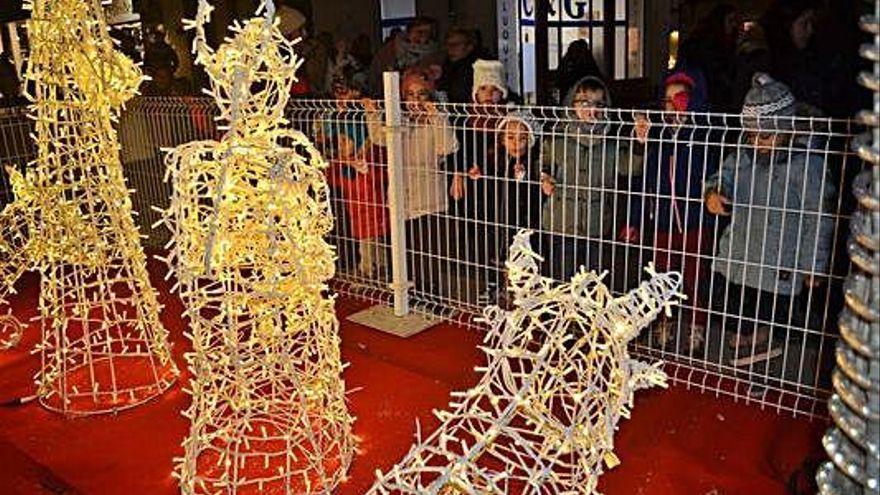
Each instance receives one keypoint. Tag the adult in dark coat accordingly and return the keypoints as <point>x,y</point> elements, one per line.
<point>576,64</point>
<point>458,72</point>
<point>712,47</point>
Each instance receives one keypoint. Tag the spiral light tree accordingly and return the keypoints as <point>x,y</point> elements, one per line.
<point>248,217</point>
<point>558,379</point>
<point>103,346</point>
<point>853,443</point>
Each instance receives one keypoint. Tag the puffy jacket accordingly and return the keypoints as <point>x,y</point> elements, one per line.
<point>779,229</point>
<point>585,161</point>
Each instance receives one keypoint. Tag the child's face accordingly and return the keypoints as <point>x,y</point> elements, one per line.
<point>588,105</point>
<point>416,93</point>
<point>345,146</point>
<point>765,142</point>
<point>676,98</point>
<point>488,95</point>
<point>420,35</point>
<point>516,139</point>
<point>341,92</point>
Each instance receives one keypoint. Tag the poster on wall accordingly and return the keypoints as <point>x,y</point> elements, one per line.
<point>396,14</point>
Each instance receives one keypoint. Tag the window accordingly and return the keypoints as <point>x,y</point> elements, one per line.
<point>570,20</point>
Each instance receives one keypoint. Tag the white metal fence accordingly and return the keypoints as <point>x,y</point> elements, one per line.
<point>610,189</point>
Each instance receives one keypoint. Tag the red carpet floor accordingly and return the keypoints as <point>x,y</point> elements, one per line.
<point>677,442</point>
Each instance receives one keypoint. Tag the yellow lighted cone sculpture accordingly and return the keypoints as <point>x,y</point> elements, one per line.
<point>103,347</point>
<point>558,380</point>
<point>248,217</point>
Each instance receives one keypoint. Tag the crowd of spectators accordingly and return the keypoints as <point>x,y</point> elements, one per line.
<point>746,216</point>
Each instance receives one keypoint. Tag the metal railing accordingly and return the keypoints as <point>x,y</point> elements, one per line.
<point>612,190</point>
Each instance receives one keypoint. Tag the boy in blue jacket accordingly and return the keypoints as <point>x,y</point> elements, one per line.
<point>776,191</point>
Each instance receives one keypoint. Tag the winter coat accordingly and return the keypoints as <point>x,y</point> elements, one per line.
<point>364,195</point>
<point>517,200</point>
<point>779,226</point>
<point>678,159</point>
<point>458,79</point>
<point>478,139</point>
<point>425,147</point>
<point>586,161</point>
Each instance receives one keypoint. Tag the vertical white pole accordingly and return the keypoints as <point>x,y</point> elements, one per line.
<point>396,194</point>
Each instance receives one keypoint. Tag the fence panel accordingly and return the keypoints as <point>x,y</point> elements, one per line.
<point>752,215</point>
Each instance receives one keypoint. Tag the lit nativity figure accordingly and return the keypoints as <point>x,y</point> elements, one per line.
<point>103,345</point>
<point>248,216</point>
<point>558,379</point>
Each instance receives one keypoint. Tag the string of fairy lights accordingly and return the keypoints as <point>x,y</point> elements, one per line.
<point>248,217</point>
<point>72,222</point>
<point>558,380</point>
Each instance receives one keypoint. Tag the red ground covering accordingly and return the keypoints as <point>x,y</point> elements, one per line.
<point>677,442</point>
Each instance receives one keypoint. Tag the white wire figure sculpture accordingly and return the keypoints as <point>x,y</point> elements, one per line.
<point>558,379</point>
<point>103,345</point>
<point>248,217</point>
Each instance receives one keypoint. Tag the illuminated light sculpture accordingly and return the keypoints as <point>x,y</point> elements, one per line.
<point>248,216</point>
<point>558,379</point>
<point>103,346</point>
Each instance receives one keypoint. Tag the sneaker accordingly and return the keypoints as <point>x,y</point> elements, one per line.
<point>754,348</point>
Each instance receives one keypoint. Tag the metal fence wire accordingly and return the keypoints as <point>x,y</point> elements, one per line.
<point>751,213</point>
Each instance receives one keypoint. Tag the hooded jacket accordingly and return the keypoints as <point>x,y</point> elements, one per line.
<point>679,157</point>
<point>777,230</point>
<point>586,160</point>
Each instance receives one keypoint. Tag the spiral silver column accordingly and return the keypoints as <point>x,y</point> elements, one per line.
<point>852,443</point>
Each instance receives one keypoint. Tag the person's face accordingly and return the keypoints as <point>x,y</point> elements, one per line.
<point>341,46</point>
<point>457,47</point>
<point>417,91</point>
<point>488,95</point>
<point>802,29</point>
<point>516,139</point>
<point>345,146</point>
<point>420,35</point>
<point>589,105</point>
<point>765,142</point>
<point>341,92</point>
<point>675,97</point>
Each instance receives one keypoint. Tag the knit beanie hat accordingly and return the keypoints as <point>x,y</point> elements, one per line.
<point>524,118</point>
<point>488,73</point>
<point>768,104</point>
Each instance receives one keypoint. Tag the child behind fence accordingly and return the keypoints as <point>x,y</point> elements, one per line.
<point>427,140</point>
<point>517,200</point>
<point>584,158</point>
<point>775,191</point>
<point>355,171</point>
<point>473,187</point>
<point>666,207</point>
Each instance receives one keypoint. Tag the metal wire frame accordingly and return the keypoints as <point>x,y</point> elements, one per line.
<point>454,271</point>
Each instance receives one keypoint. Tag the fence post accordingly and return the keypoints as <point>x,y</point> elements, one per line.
<point>396,194</point>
